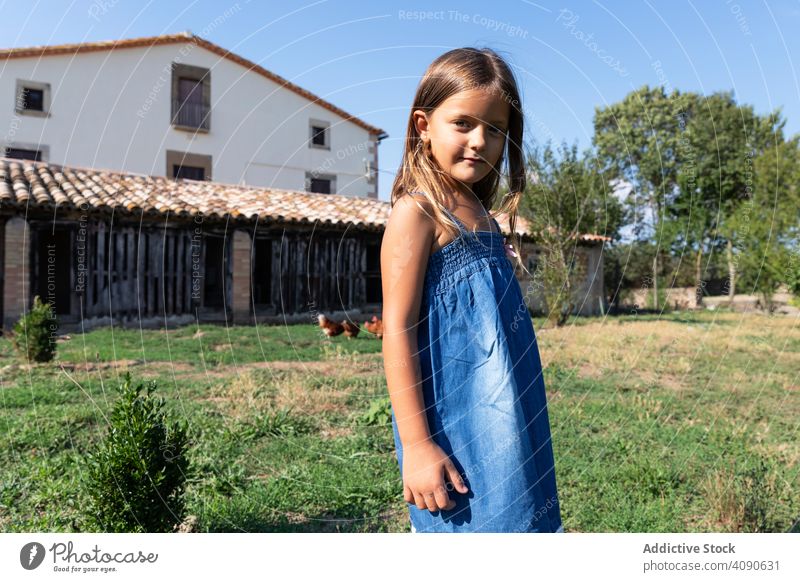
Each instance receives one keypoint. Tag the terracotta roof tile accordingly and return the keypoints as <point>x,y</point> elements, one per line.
<point>523,227</point>
<point>44,185</point>
<point>25,183</point>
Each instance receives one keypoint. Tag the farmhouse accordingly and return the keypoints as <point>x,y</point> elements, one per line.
<point>180,106</point>
<point>107,246</point>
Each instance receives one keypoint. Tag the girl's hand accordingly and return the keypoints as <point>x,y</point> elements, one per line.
<point>425,467</point>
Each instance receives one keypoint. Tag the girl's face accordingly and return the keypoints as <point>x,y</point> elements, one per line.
<point>467,133</point>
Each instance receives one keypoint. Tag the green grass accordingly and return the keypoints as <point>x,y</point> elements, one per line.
<point>208,345</point>
<point>686,422</point>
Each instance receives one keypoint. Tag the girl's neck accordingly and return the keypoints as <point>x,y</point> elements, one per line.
<point>468,197</point>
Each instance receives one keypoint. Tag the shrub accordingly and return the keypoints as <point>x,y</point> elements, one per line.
<point>378,414</point>
<point>137,478</point>
<point>33,333</point>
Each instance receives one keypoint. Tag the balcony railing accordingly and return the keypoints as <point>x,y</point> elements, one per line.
<point>188,114</point>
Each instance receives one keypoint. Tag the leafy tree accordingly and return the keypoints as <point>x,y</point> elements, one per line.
<point>690,161</point>
<point>766,226</point>
<point>717,149</point>
<point>568,196</point>
<point>637,140</point>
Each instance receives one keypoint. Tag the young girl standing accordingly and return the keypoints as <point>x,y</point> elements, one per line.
<point>469,412</point>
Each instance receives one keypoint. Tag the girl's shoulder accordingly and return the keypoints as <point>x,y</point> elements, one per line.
<point>413,209</point>
<point>409,227</point>
<point>414,199</point>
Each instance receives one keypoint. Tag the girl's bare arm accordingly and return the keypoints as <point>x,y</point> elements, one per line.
<point>404,258</point>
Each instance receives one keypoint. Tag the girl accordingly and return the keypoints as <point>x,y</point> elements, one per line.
<point>469,412</point>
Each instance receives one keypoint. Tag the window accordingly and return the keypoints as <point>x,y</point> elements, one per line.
<point>24,154</point>
<point>319,134</point>
<point>214,272</point>
<point>186,166</point>
<point>188,172</point>
<point>320,183</point>
<point>320,186</point>
<point>51,268</point>
<point>191,97</point>
<point>372,273</point>
<point>33,98</point>
<point>533,262</point>
<point>262,271</point>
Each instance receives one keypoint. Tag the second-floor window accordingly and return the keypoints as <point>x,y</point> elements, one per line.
<point>24,154</point>
<point>319,134</point>
<point>191,97</point>
<point>32,98</point>
<point>188,172</point>
<point>188,166</point>
<point>320,183</point>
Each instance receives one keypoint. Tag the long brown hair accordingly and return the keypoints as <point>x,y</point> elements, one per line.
<point>455,71</point>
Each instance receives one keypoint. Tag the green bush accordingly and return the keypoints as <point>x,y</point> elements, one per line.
<point>793,275</point>
<point>378,414</point>
<point>34,333</point>
<point>137,478</point>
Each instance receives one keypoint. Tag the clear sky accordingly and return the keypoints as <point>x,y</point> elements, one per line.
<point>367,57</point>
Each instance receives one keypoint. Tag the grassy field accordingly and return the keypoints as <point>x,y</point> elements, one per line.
<point>685,422</point>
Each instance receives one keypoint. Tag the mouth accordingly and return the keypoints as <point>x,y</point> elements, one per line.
<point>473,160</point>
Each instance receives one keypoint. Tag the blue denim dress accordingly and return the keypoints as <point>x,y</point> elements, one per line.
<point>484,392</point>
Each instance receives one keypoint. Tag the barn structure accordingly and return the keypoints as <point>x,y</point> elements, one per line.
<point>109,247</point>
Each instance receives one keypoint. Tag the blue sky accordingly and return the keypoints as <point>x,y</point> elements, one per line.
<point>367,57</point>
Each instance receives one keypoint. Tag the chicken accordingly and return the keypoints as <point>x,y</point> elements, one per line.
<point>330,328</point>
<point>375,326</point>
<point>350,329</point>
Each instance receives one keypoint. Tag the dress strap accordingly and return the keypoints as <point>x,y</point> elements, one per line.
<point>455,219</point>
<point>461,226</point>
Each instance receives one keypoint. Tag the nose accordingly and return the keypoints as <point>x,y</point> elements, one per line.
<point>477,139</point>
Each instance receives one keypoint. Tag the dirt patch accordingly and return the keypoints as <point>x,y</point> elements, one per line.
<point>122,365</point>
<point>335,432</point>
<point>362,367</point>
<point>244,391</point>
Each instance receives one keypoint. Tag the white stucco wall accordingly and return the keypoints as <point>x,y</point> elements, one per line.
<point>112,110</point>
<point>588,294</point>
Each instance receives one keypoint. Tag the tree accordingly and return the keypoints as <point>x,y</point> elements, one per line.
<point>766,226</point>
<point>637,141</point>
<point>569,195</point>
<point>719,143</point>
<point>690,160</point>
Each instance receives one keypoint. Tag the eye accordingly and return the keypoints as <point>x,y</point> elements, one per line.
<point>497,130</point>
<point>461,121</point>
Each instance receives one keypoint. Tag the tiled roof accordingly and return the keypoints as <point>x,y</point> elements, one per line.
<point>28,184</point>
<point>184,37</point>
<point>25,183</point>
<point>523,227</point>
